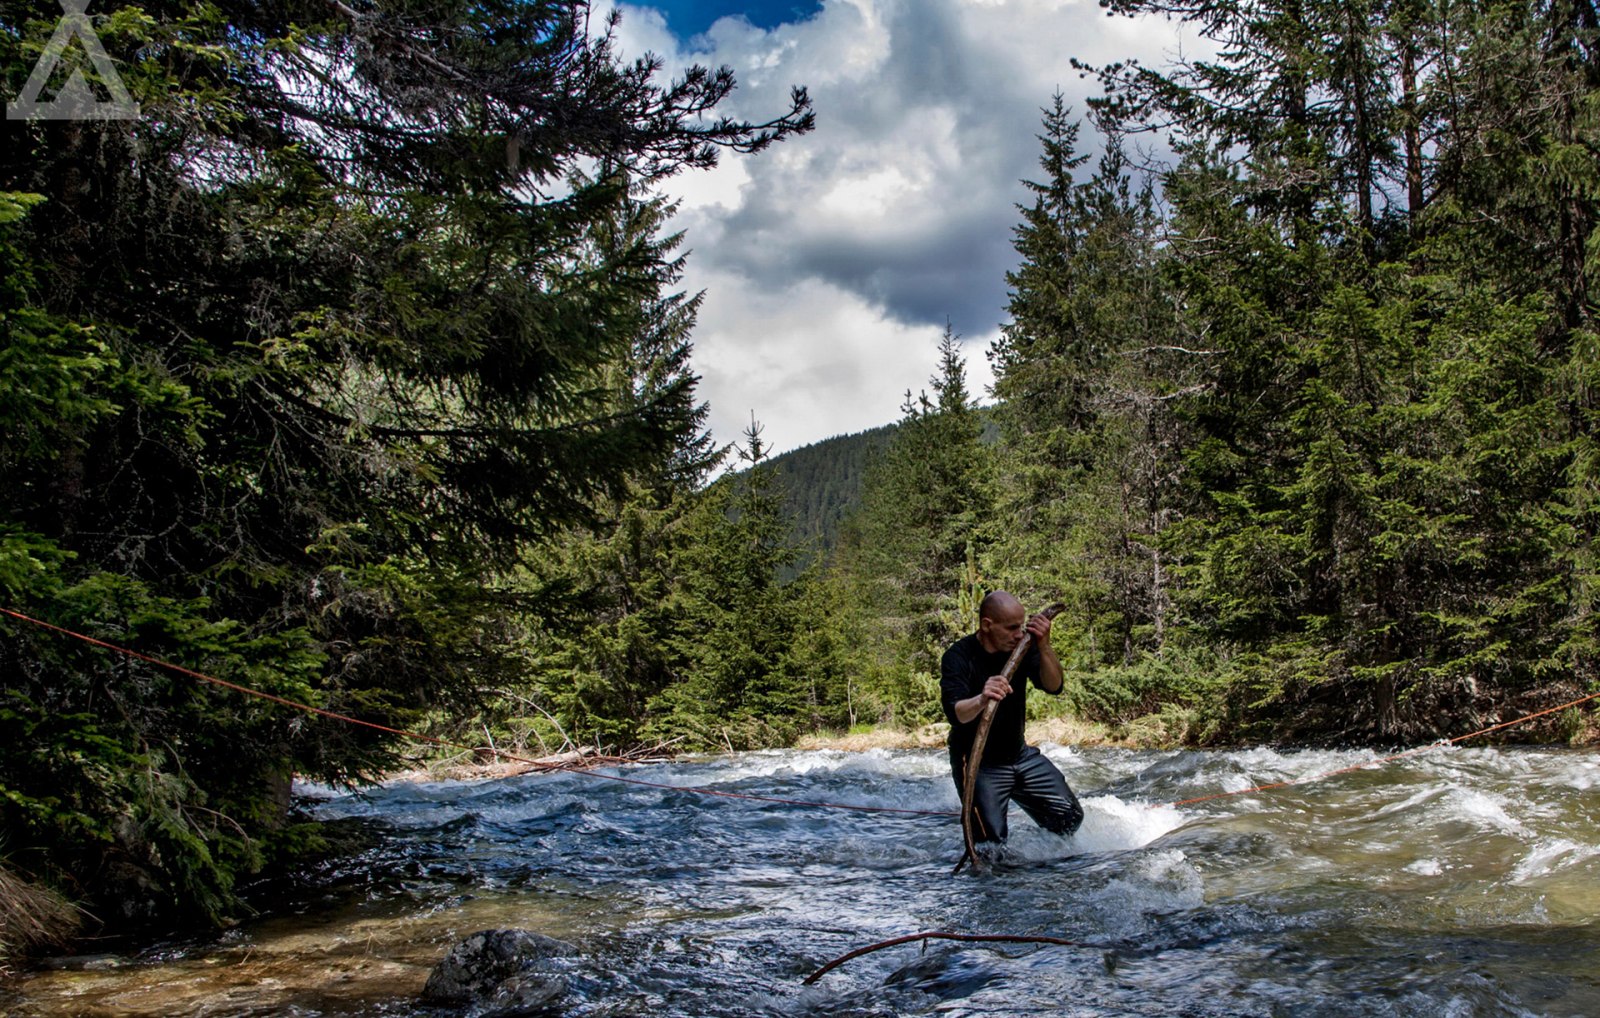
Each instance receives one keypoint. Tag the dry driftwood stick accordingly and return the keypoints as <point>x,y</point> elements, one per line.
<point>986,938</point>
<point>969,775</point>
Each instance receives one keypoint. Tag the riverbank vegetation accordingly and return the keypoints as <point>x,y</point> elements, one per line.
<point>356,371</point>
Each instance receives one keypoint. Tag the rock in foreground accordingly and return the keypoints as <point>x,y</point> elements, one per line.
<point>502,974</point>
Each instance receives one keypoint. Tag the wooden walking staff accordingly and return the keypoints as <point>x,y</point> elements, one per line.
<point>969,775</point>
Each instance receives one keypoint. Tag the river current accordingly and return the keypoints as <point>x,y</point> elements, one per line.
<point>1458,882</point>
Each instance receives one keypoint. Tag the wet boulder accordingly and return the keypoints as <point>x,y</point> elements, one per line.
<point>502,974</point>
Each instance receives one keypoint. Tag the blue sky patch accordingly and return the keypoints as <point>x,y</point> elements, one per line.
<point>688,18</point>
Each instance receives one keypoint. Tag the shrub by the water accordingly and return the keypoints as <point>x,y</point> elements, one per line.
<point>31,918</point>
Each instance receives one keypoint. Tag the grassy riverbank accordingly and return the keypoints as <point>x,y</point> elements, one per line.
<point>1065,731</point>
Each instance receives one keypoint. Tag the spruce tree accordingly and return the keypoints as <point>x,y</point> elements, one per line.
<point>1085,369</point>
<point>738,615</point>
<point>1353,531</point>
<point>345,331</point>
<point>927,506</point>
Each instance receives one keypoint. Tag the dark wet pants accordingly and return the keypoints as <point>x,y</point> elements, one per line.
<point>1037,786</point>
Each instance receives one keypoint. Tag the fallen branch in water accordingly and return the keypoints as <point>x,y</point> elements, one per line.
<point>499,763</point>
<point>584,758</point>
<point>984,938</point>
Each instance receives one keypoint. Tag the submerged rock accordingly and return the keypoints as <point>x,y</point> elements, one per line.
<point>84,963</point>
<point>502,974</point>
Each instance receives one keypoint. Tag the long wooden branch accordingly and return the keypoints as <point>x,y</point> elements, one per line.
<point>969,775</point>
<point>984,938</point>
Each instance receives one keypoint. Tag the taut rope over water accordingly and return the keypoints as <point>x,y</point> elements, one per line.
<point>542,766</point>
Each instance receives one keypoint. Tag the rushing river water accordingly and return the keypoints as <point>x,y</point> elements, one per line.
<point>1458,882</point>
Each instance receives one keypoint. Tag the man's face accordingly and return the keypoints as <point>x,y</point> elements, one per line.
<point>1004,631</point>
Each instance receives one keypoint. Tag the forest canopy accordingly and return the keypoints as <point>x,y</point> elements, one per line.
<point>300,370</point>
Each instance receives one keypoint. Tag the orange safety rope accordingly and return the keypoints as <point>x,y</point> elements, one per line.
<point>445,743</point>
<point>698,790</point>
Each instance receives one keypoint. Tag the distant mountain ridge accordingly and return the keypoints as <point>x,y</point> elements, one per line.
<point>822,484</point>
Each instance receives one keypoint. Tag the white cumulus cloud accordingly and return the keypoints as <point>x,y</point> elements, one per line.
<point>832,261</point>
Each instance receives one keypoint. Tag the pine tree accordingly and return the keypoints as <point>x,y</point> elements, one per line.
<point>927,505</point>
<point>738,615</point>
<point>347,333</point>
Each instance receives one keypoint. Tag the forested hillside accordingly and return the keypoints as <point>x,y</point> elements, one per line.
<point>822,484</point>
<point>357,371</point>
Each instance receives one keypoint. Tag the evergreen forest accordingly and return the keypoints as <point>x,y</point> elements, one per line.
<point>355,370</point>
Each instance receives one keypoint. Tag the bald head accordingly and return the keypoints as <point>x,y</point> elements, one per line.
<point>1000,621</point>
<point>997,605</point>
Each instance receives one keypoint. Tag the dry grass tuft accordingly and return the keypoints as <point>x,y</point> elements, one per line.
<point>1070,731</point>
<point>31,918</point>
<point>878,737</point>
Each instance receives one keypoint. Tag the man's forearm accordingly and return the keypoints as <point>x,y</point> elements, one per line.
<point>1050,676</point>
<point>969,708</point>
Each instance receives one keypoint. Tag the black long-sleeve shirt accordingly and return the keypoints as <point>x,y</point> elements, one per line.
<point>963,671</point>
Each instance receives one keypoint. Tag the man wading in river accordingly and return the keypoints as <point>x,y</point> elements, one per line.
<point>1011,769</point>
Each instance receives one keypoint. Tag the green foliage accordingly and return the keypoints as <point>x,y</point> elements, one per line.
<point>597,682</point>
<point>1375,517</point>
<point>926,505</point>
<point>1084,369</point>
<point>298,371</point>
<point>1301,427</point>
<point>159,774</point>
<point>355,371</point>
<point>822,484</point>
<point>694,635</point>
<point>738,616</point>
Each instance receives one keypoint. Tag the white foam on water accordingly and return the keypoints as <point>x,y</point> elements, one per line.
<point>889,779</point>
<point>1171,867</point>
<point>1240,771</point>
<point>876,853</point>
<point>802,763</point>
<point>1425,795</point>
<point>1061,756</point>
<point>1235,784</point>
<point>1109,825</point>
<point>1162,881</point>
<point>771,763</point>
<point>1112,825</point>
<point>1263,765</point>
<point>1483,809</point>
<point>1582,775</point>
<point>1547,857</point>
<point>1425,868</point>
<point>303,788</point>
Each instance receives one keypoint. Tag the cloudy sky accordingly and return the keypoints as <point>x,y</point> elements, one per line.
<point>831,262</point>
